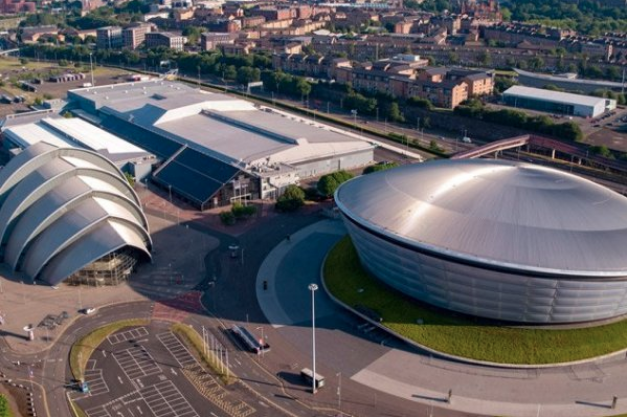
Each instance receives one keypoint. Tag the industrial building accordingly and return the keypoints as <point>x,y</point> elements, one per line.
<point>214,148</point>
<point>68,214</point>
<point>22,130</point>
<point>496,239</point>
<point>557,102</point>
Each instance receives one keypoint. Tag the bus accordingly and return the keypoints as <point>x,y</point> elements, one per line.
<point>307,375</point>
<point>250,341</point>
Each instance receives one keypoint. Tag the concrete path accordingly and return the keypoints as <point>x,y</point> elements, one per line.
<point>576,391</point>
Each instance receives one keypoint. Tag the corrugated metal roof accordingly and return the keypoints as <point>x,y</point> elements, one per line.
<point>496,212</point>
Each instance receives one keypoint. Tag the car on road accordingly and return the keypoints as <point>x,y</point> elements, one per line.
<point>89,310</point>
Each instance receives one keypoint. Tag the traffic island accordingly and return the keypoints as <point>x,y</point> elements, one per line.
<point>461,336</point>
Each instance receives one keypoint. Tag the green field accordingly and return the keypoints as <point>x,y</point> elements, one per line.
<point>444,332</point>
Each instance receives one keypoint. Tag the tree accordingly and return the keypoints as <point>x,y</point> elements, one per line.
<point>419,102</point>
<point>453,58</point>
<point>602,150</point>
<point>394,113</point>
<point>302,87</point>
<point>292,199</point>
<point>328,183</point>
<point>193,34</point>
<point>484,57</point>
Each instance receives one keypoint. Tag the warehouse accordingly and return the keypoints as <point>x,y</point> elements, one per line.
<point>557,102</point>
<point>215,148</point>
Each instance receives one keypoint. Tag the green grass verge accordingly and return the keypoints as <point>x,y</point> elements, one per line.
<point>5,411</point>
<point>76,410</point>
<point>212,361</point>
<point>85,346</point>
<point>349,282</point>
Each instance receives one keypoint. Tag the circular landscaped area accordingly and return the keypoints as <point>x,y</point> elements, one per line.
<point>462,336</point>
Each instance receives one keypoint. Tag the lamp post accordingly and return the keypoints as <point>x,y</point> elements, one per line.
<point>339,390</point>
<point>313,288</point>
<point>263,341</point>
<point>91,70</point>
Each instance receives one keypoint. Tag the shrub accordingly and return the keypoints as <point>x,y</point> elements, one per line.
<point>328,183</point>
<point>380,167</point>
<point>422,103</point>
<point>227,218</point>
<point>241,211</point>
<point>291,200</point>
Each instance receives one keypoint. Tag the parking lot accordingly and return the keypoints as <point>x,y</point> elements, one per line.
<point>149,371</point>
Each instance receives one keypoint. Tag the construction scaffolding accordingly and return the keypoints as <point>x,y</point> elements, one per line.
<point>112,269</point>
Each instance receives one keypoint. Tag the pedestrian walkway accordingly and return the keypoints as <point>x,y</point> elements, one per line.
<point>585,390</point>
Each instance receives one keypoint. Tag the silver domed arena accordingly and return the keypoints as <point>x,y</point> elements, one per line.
<point>495,239</point>
<point>69,214</point>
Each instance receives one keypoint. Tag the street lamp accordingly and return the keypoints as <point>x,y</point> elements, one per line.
<point>313,288</point>
<point>91,70</point>
<point>263,341</point>
<point>339,390</point>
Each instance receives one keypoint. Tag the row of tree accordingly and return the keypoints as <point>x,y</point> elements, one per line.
<point>542,124</point>
<point>586,16</point>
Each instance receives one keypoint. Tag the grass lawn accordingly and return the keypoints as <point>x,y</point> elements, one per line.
<point>209,358</point>
<point>4,407</point>
<point>84,347</point>
<point>349,282</point>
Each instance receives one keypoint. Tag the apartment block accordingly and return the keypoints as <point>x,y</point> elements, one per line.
<point>209,41</point>
<point>167,39</point>
<point>109,37</point>
<point>134,36</point>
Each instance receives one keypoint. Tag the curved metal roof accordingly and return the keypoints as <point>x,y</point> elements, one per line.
<point>61,207</point>
<point>33,157</point>
<point>57,202</point>
<point>507,214</point>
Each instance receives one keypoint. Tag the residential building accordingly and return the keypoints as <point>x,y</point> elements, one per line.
<point>133,36</point>
<point>209,41</point>
<point>109,37</point>
<point>167,39</point>
<point>19,6</point>
<point>32,34</point>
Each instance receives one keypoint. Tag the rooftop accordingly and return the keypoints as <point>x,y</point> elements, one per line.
<point>555,96</point>
<point>228,128</point>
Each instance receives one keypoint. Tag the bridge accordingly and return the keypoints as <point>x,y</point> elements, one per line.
<point>577,152</point>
